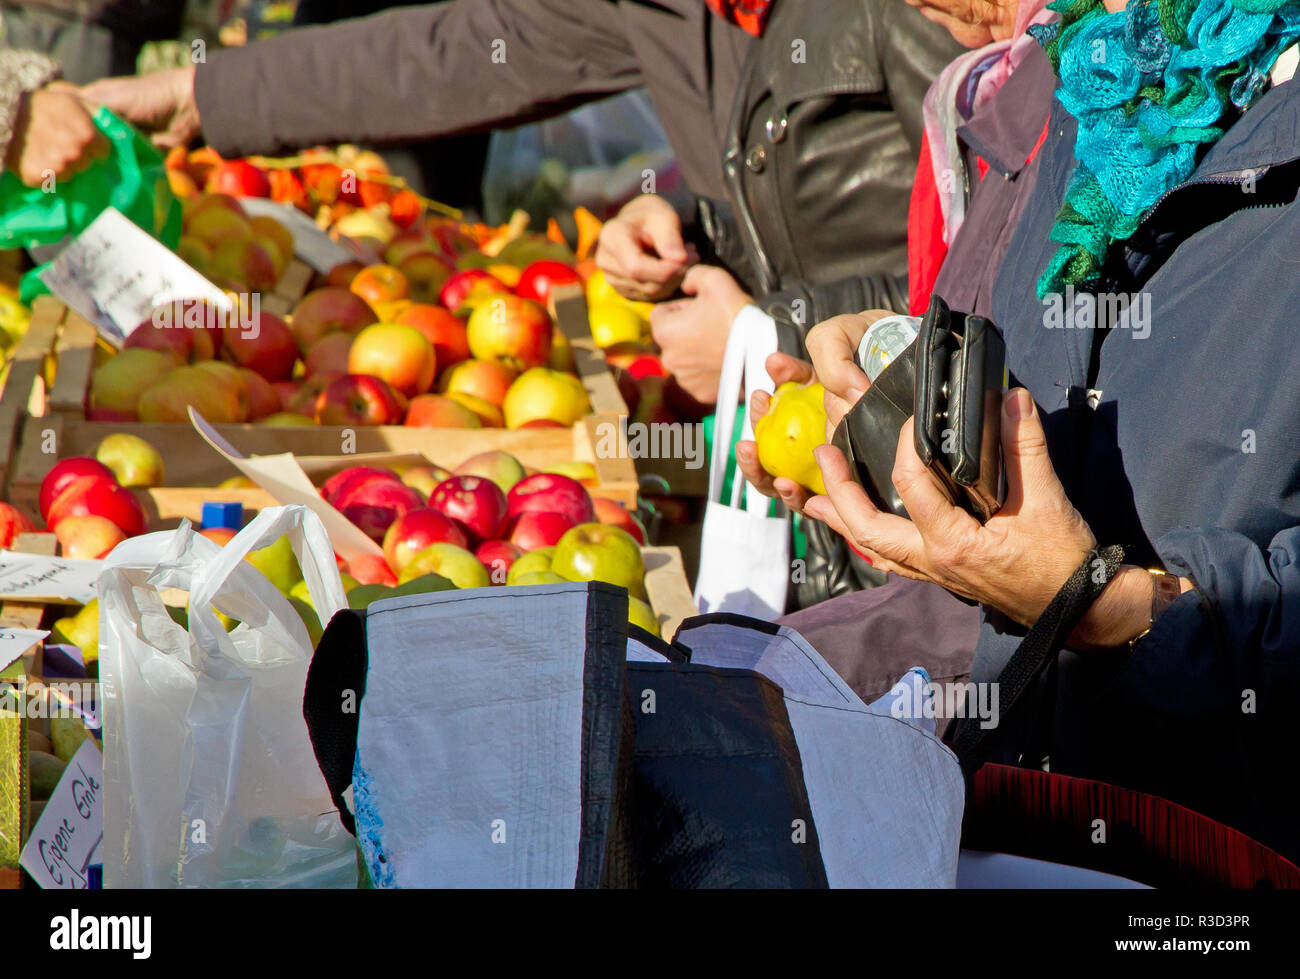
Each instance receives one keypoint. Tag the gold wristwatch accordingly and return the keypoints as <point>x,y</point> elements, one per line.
<point>1165,589</point>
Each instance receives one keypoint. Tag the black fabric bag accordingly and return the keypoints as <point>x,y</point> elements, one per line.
<point>582,752</point>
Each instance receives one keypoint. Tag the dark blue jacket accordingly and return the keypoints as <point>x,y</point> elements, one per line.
<point>1191,459</point>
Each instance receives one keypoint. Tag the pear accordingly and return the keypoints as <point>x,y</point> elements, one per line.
<point>81,630</point>
<point>68,735</point>
<point>278,563</point>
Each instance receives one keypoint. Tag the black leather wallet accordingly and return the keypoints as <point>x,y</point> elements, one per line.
<point>951,379</point>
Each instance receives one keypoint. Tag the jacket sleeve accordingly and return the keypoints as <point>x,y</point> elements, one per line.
<point>20,72</point>
<point>419,72</point>
<point>1247,623</point>
<point>800,307</point>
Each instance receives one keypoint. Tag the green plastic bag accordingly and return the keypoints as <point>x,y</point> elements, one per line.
<point>131,178</point>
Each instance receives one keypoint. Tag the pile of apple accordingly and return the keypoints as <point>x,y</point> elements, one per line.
<point>488,523</point>
<point>360,350</point>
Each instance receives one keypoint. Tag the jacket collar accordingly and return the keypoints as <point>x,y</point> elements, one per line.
<point>1005,131</point>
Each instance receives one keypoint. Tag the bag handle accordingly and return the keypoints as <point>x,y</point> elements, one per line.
<point>751,340</point>
<point>1038,649</point>
<point>227,571</point>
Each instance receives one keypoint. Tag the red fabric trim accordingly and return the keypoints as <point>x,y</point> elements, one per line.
<point>1049,816</point>
<point>926,248</point>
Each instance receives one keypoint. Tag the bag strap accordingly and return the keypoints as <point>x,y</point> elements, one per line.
<point>1038,649</point>
<point>751,340</point>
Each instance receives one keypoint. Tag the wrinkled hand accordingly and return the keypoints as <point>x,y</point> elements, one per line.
<point>1016,562</point>
<point>692,333</point>
<point>53,133</point>
<point>972,23</point>
<point>161,103</point>
<point>781,368</point>
<point>641,250</point>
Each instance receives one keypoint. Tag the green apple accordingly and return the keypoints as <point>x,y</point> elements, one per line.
<point>81,630</point>
<point>300,592</point>
<point>600,552</point>
<point>277,562</point>
<point>450,561</point>
<point>538,578</point>
<point>538,560</point>
<point>641,614</point>
<point>133,460</point>
<point>309,619</point>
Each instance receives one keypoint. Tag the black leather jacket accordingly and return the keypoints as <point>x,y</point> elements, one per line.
<point>820,156</point>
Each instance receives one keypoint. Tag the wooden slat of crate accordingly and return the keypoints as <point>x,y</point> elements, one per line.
<point>25,382</point>
<point>27,615</point>
<point>570,308</point>
<point>667,589</point>
<point>291,287</point>
<point>191,462</point>
<point>75,353</point>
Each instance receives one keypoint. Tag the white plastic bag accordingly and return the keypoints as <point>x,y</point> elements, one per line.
<point>744,553</point>
<point>210,779</point>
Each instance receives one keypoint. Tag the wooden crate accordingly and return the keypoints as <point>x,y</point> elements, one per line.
<point>667,588</point>
<point>35,419</point>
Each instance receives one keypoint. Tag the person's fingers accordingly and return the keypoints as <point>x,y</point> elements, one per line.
<point>759,404</point>
<point>615,247</point>
<point>661,229</point>
<point>836,408</point>
<point>963,31</point>
<point>833,347</point>
<point>1031,477</point>
<point>782,369</point>
<point>933,513</point>
<point>891,537</point>
<point>758,477</point>
<point>794,496</point>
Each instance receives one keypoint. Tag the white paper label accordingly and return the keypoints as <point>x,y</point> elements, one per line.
<point>310,243</point>
<point>15,642</point>
<point>35,577</point>
<point>65,840</point>
<point>115,274</point>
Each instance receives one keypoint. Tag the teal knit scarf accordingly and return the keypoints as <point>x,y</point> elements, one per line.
<point>1152,86</point>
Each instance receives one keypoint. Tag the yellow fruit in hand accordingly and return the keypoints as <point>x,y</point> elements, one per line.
<point>794,425</point>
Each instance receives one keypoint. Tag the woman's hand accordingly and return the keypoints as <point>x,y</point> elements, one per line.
<point>53,134</point>
<point>1016,562</point>
<point>782,368</point>
<point>161,103</point>
<point>641,250</point>
<point>972,23</point>
<point>692,333</point>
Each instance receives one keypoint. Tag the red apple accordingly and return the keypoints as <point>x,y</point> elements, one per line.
<point>616,515</point>
<point>512,331</point>
<point>538,528</point>
<point>326,310</point>
<point>265,345</point>
<point>480,378</point>
<point>476,504</point>
<point>335,489</point>
<point>537,280</point>
<point>457,288</point>
<point>401,355</point>
<point>417,529</point>
<point>375,504</point>
<point>12,523</point>
<point>263,399</point>
<point>329,354</point>
<point>98,496</point>
<point>553,493</point>
<point>87,536</point>
<point>240,179</point>
<point>359,399</point>
<point>440,328</point>
<point>437,411</point>
<point>190,329</point>
<point>497,556</point>
<point>380,284</point>
<point>427,272</point>
<point>371,569</point>
<point>62,474</point>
